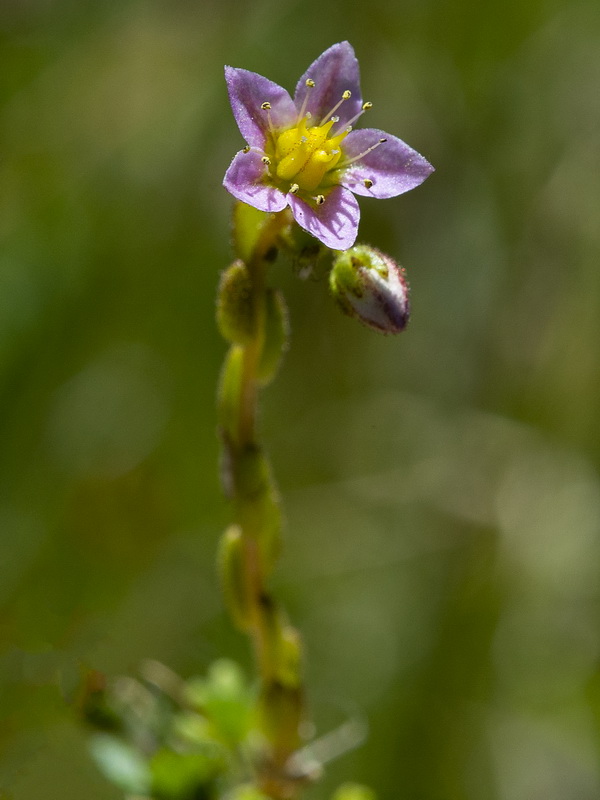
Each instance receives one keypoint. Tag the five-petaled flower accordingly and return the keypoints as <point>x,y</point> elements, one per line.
<point>304,152</point>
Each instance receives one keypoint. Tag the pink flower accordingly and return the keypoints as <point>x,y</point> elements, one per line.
<point>304,152</point>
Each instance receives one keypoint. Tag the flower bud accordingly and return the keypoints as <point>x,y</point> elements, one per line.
<point>371,287</point>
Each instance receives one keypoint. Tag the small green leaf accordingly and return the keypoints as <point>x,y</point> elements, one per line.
<point>233,579</point>
<point>248,226</point>
<point>354,791</point>
<point>229,391</point>
<point>121,764</point>
<point>277,332</point>
<point>192,728</point>
<point>227,679</point>
<point>289,658</point>
<point>179,775</point>
<point>236,316</point>
<point>247,792</point>
<point>225,699</point>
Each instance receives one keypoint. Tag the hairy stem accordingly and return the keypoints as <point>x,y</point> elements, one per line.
<point>256,534</point>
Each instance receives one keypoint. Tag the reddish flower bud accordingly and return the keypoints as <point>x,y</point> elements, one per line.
<point>372,287</point>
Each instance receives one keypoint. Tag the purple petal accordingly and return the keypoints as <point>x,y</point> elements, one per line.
<point>244,180</point>
<point>247,92</point>
<point>393,166</point>
<point>335,222</point>
<point>333,72</point>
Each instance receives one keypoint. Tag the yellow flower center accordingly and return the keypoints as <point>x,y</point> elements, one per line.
<point>306,154</point>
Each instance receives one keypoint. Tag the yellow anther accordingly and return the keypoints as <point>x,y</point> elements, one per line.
<point>320,199</point>
<point>366,106</point>
<point>266,106</point>
<point>346,95</point>
<point>294,188</point>
<point>266,160</point>
<point>368,183</point>
<point>310,84</point>
<point>246,149</point>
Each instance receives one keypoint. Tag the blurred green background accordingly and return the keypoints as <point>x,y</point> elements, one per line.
<point>442,488</point>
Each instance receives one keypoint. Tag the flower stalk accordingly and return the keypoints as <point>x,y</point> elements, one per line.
<point>252,317</point>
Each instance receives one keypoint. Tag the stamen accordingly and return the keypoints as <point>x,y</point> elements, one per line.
<point>246,149</point>
<point>362,155</point>
<point>345,96</point>
<point>294,188</point>
<point>266,160</point>
<point>320,199</point>
<point>310,84</point>
<point>368,183</point>
<point>365,107</point>
<point>266,106</point>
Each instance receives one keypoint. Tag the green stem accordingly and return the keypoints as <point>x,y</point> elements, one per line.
<point>257,518</point>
